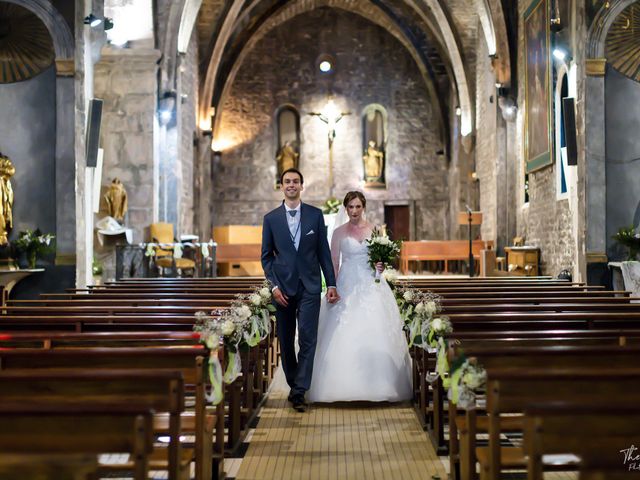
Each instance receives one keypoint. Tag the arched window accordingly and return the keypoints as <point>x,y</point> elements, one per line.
<point>288,140</point>
<point>374,144</point>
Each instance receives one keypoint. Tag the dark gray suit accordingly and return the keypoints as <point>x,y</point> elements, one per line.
<point>297,274</point>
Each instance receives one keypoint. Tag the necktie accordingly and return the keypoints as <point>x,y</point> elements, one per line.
<point>293,212</point>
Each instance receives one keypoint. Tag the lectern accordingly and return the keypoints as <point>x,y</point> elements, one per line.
<point>470,218</point>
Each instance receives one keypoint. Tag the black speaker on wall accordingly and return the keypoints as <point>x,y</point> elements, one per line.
<point>569,122</point>
<point>93,131</point>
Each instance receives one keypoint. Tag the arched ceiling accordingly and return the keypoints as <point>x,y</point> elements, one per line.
<point>439,34</point>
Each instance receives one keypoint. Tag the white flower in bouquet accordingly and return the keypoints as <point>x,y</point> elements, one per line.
<point>390,275</point>
<point>243,312</point>
<point>420,308</point>
<point>255,299</point>
<point>265,293</point>
<point>436,324</point>
<point>408,295</point>
<point>228,327</point>
<point>431,308</point>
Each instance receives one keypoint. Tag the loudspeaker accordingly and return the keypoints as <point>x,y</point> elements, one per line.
<point>569,122</point>
<point>94,120</point>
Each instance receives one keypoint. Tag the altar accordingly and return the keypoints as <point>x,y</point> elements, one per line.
<point>9,279</point>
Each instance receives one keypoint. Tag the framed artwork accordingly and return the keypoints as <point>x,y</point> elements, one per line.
<point>538,141</point>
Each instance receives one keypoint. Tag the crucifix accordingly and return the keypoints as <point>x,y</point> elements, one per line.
<point>331,117</point>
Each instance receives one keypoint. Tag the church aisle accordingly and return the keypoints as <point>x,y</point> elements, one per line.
<point>338,442</point>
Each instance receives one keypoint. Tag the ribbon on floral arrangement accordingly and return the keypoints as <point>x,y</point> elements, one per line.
<point>204,249</point>
<point>266,323</point>
<point>252,336</point>
<point>150,251</point>
<point>215,377</point>
<point>415,331</point>
<point>234,366</point>
<point>454,383</point>
<point>442,365</point>
<point>177,250</point>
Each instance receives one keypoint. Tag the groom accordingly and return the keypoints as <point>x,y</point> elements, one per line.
<point>294,248</point>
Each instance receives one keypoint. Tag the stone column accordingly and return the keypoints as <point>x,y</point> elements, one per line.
<point>595,168</point>
<point>65,164</point>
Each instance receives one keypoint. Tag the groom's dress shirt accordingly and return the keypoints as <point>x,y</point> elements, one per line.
<point>293,221</point>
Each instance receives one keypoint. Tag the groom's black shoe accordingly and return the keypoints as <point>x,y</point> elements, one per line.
<point>298,402</point>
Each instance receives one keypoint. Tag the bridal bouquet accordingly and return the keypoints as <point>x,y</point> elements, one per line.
<point>382,249</point>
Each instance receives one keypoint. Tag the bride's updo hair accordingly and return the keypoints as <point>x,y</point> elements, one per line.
<point>352,195</point>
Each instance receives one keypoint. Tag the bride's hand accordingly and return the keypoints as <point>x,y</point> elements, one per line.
<point>379,267</point>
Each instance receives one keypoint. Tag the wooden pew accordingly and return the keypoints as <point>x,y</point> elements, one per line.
<point>596,431</point>
<point>524,358</point>
<point>190,361</point>
<point>37,429</point>
<point>161,391</point>
<point>439,250</point>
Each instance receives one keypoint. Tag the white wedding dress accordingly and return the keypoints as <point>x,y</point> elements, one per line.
<point>361,353</point>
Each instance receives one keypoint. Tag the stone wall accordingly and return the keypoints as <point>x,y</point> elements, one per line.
<point>622,154</point>
<point>126,80</point>
<point>371,67</point>
<point>545,222</point>
<point>27,137</point>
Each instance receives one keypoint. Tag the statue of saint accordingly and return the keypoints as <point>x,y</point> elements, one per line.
<point>116,198</point>
<point>7,170</point>
<point>287,158</point>
<point>373,163</point>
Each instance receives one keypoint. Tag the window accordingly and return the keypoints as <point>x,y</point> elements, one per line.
<point>560,137</point>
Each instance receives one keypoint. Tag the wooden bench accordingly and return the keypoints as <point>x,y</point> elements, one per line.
<point>439,250</point>
<point>32,430</point>
<point>161,391</point>
<point>598,432</point>
<point>190,361</point>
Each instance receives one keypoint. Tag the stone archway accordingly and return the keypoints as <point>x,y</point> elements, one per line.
<point>64,47</point>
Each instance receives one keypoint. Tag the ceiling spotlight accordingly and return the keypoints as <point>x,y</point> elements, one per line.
<point>108,23</point>
<point>165,115</point>
<point>325,66</point>
<point>92,20</point>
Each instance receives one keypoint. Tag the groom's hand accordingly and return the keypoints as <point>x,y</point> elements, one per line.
<point>332,295</point>
<point>280,297</point>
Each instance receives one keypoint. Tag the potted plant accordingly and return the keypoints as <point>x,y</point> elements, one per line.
<point>34,244</point>
<point>628,237</point>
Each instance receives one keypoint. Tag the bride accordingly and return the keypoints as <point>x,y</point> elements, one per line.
<point>361,352</point>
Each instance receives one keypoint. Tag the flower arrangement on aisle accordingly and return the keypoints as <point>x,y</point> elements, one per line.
<point>467,377</point>
<point>382,249</point>
<point>245,323</point>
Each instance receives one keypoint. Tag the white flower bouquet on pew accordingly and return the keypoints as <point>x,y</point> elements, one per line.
<point>382,249</point>
<point>467,379</point>
<point>244,324</point>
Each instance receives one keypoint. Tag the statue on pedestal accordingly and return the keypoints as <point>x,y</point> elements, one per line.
<point>116,198</point>
<point>373,159</point>
<point>7,170</point>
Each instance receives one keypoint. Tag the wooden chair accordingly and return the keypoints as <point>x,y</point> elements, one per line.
<point>162,232</point>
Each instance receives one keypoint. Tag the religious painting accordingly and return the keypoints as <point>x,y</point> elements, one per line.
<point>288,141</point>
<point>374,140</point>
<point>537,115</point>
